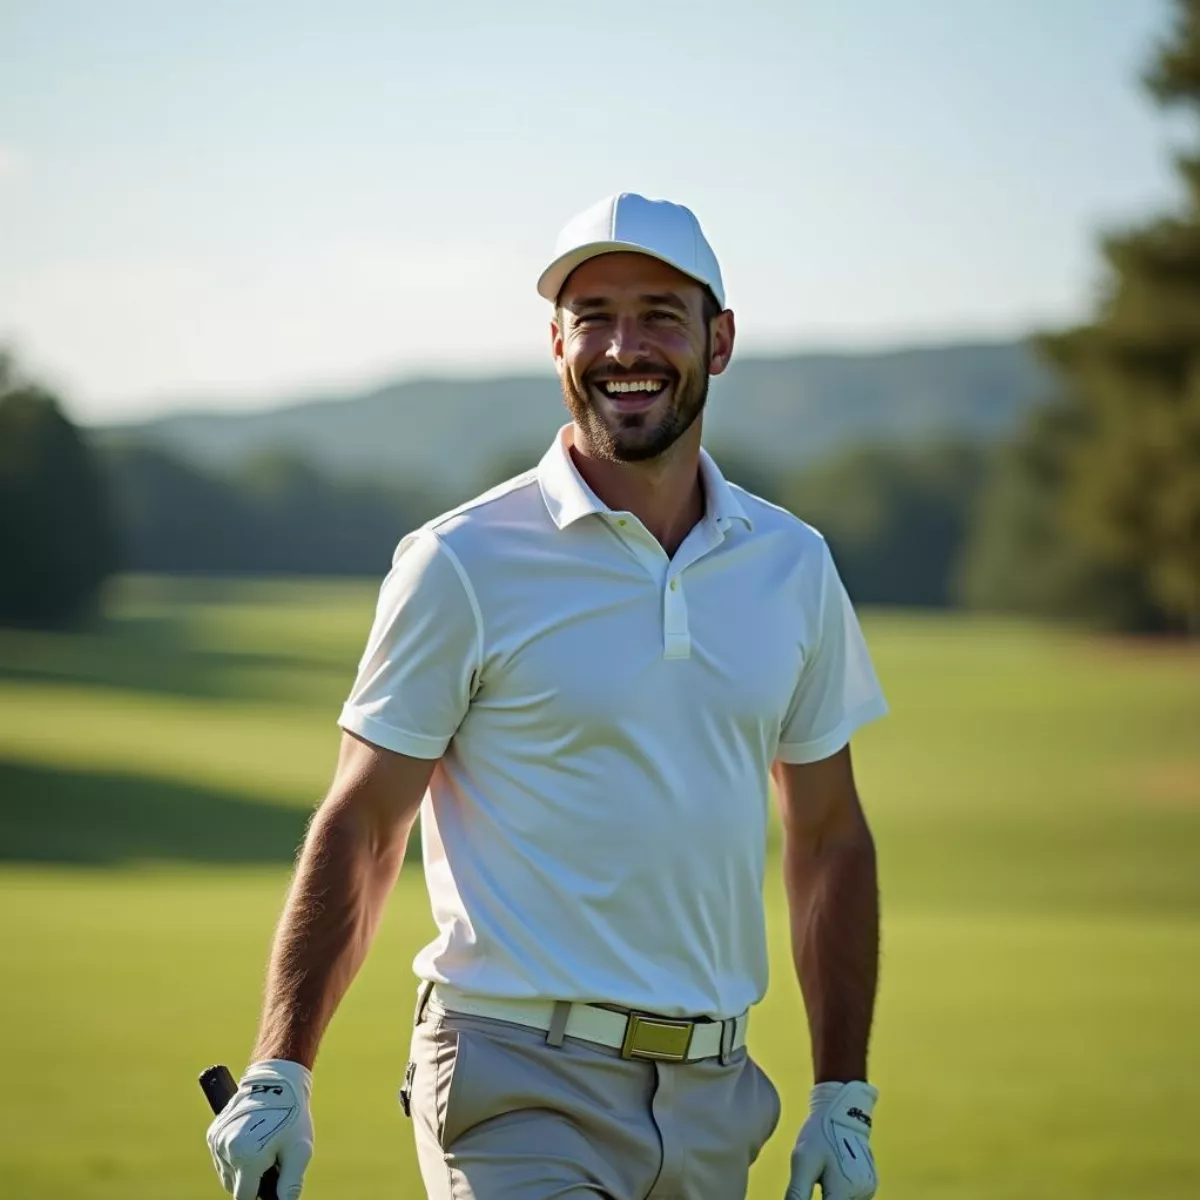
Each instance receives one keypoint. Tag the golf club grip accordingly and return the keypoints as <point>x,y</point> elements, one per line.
<point>219,1087</point>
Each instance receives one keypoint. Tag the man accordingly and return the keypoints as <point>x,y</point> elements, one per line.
<point>588,674</point>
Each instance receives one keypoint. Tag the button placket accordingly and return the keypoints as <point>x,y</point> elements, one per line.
<point>705,537</point>
<point>677,639</point>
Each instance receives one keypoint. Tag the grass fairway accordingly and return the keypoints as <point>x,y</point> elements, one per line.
<point>1036,798</point>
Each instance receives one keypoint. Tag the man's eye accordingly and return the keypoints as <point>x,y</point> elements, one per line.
<point>590,319</point>
<point>661,314</point>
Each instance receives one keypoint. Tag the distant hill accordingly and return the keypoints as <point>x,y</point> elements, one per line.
<point>780,412</point>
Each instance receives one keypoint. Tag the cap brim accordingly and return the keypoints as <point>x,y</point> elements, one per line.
<point>551,280</point>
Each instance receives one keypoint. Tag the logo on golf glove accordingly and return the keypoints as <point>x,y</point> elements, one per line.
<point>833,1148</point>
<point>267,1123</point>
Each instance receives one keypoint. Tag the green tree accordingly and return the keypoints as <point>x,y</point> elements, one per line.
<point>1115,465</point>
<point>896,517</point>
<point>274,514</point>
<point>174,516</point>
<point>1023,554</point>
<point>57,543</point>
<point>311,523</point>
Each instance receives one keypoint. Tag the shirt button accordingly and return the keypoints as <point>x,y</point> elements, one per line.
<point>674,585</point>
<point>622,522</point>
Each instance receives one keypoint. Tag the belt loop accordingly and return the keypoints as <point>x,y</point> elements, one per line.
<point>423,994</point>
<point>558,1023</point>
<point>727,1031</point>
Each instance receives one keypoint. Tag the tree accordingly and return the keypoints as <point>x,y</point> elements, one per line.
<point>311,523</point>
<point>1022,554</point>
<point>1122,447</point>
<point>274,514</point>
<point>896,517</point>
<point>57,543</point>
<point>173,515</point>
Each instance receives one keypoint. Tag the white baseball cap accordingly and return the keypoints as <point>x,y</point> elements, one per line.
<point>630,222</point>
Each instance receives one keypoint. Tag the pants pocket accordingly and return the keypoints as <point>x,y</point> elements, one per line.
<point>460,1078</point>
<point>768,1106</point>
<point>433,1060</point>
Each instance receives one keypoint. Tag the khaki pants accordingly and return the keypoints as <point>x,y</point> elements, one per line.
<point>499,1114</point>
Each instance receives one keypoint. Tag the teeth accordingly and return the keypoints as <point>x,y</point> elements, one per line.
<point>615,387</point>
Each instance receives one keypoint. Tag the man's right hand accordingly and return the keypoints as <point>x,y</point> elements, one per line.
<point>267,1123</point>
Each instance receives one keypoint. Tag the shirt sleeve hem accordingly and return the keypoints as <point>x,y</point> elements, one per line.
<point>831,743</point>
<point>415,745</point>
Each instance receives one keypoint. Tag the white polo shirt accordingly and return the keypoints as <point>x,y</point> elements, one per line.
<point>606,719</point>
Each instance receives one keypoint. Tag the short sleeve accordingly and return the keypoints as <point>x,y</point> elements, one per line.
<point>415,679</point>
<point>837,691</point>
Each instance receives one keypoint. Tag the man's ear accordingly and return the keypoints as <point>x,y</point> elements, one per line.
<point>722,335</point>
<point>556,341</point>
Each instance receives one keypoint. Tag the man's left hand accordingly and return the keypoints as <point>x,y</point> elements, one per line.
<point>833,1148</point>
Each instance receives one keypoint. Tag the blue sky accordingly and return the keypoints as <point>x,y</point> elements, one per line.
<point>237,201</point>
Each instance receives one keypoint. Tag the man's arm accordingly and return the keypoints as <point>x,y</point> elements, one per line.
<point>351,857</point>
<point>833,898</point>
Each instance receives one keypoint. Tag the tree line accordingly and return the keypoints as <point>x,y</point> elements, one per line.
<point>71,513</point>
<point>926,525</point>
<point>897,518</point>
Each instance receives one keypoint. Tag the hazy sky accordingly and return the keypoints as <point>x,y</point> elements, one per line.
<point>233,201</point>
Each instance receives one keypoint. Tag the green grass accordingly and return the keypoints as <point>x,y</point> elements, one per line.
<point>1036,799</point>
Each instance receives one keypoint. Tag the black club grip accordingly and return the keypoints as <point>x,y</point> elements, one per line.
<point>219,1087</point>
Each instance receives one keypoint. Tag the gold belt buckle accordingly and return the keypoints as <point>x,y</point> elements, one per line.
<point>656,1037</point>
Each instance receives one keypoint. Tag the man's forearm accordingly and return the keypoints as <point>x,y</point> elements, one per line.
<point>338,893</point>
<point>834,902</point>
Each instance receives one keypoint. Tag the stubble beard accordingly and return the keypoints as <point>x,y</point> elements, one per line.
<point>627,437</point>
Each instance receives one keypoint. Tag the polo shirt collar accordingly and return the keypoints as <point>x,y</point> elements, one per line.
<point>721,504</point>
<point>568,497</point>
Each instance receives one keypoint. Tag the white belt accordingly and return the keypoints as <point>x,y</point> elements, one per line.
<point>635,1034</point>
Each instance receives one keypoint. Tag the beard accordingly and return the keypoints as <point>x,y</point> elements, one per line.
<point>635,436</point>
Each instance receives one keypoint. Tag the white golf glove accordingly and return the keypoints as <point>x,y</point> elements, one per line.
<point>267,1123</point>
<point>834,1145</point>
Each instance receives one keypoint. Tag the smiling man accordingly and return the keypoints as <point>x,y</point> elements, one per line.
<point>583,681</point>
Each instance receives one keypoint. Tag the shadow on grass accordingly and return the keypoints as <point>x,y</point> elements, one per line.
<point>159,655</point>
<point>61,817</point>
<point>108,819</point>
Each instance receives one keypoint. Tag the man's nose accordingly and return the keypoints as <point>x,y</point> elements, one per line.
<point>626,346</point>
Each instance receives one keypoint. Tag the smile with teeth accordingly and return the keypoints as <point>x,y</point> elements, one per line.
<point>621,387</point>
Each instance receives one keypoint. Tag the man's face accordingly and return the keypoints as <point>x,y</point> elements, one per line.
<point>634,349</point>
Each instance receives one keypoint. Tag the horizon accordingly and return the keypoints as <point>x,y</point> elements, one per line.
<point>246,406</point>
<point>283,204</point>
